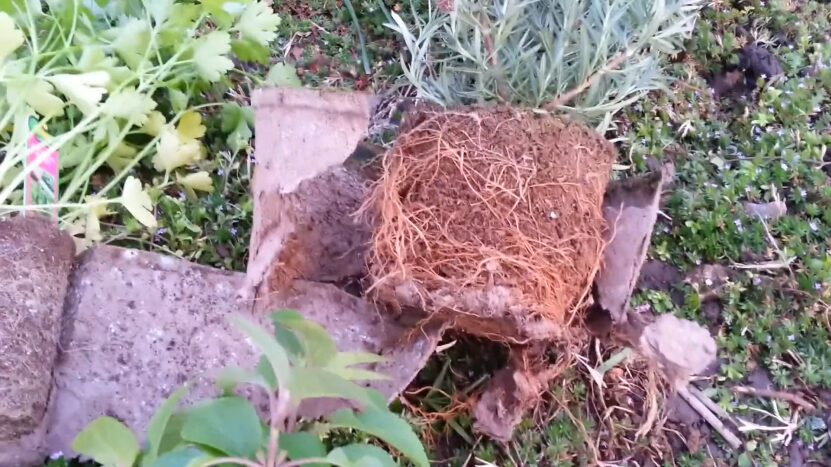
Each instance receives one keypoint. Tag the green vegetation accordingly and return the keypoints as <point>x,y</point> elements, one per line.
<point>299,361</point>
<point>761,139</point>
<point>124,87</point>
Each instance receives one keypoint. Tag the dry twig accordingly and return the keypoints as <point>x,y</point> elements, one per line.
<point>711,418</point>
<point>564,99</point>
<point>774,394</point>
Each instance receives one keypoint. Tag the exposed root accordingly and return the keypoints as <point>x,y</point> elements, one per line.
<point>489,212</point>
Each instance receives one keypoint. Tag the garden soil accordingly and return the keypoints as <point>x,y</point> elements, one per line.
<point>512,391</point>
<point>490,218</point>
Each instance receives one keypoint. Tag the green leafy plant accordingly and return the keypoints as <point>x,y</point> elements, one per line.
<point>591,57</point>
<point>299,362</point>
<point>120,85</point>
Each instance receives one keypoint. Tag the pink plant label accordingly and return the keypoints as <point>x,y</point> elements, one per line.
<point>41,186</point>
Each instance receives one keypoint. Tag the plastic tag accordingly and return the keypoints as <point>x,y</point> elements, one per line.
<point>41,186</point>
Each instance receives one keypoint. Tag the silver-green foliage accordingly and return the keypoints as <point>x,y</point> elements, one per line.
<point>587,56</point>
<point>299,362</point>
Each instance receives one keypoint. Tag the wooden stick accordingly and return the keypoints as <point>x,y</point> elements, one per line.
<point>567,97</point>
<point>715,408</point>
<point>713,420</point>
<point>774,394</point>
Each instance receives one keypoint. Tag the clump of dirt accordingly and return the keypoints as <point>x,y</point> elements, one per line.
<point>758,62</point>
<point>34,276</point>
<point>512,391</point>
<point>755,61</point>
<point>486,213</point>
<point>680,348</point>
<point>658,275</point>
<point>729,83</point>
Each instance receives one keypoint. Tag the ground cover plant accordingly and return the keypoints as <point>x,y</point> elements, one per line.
<point>736,135</point>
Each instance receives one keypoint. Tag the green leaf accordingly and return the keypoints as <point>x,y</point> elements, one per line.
<point>183,457</point>
<point>85,90</point>
<point>38,94</point>
<point>10,37</point>
<point>290,342</point>
<point>172,436</point>
<point>357,374</point>
<point>386,426</point>
<point>249,51</point>
<point>229,425</point>
<point>108,442</point>
<point>361,455</point>
<point>197,181</point>
<point>107,132</point>
<point>15,7</point>
<point>341,365</point>
<point>265,370</point>
<point>179,25</point>
<point>174,151</point>
<point>258,23</point>
<point>178,99</point>
<point>138,202</point>
<point>318,346</point>
<point>190,126</point>
<point>233,115</point>
<point>302,445</point>
<point>130,105</point>
<point>74,152</point>
<point>310,383</point>
<point>230,378</point>
<point>236,123</point>
<point>121,157</point>
<point>209,55</point>
<point>283,75</point>
<point>131,41</point>
<point>94,58</point>
<point>158,424</point>
<point>270,348</point>
<point>155,123</point>
<point>223,12</point>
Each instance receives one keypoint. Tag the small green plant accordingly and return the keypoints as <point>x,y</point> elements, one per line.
<point>121,86</point>
<point>299,362</point>
<point>589,57</point>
